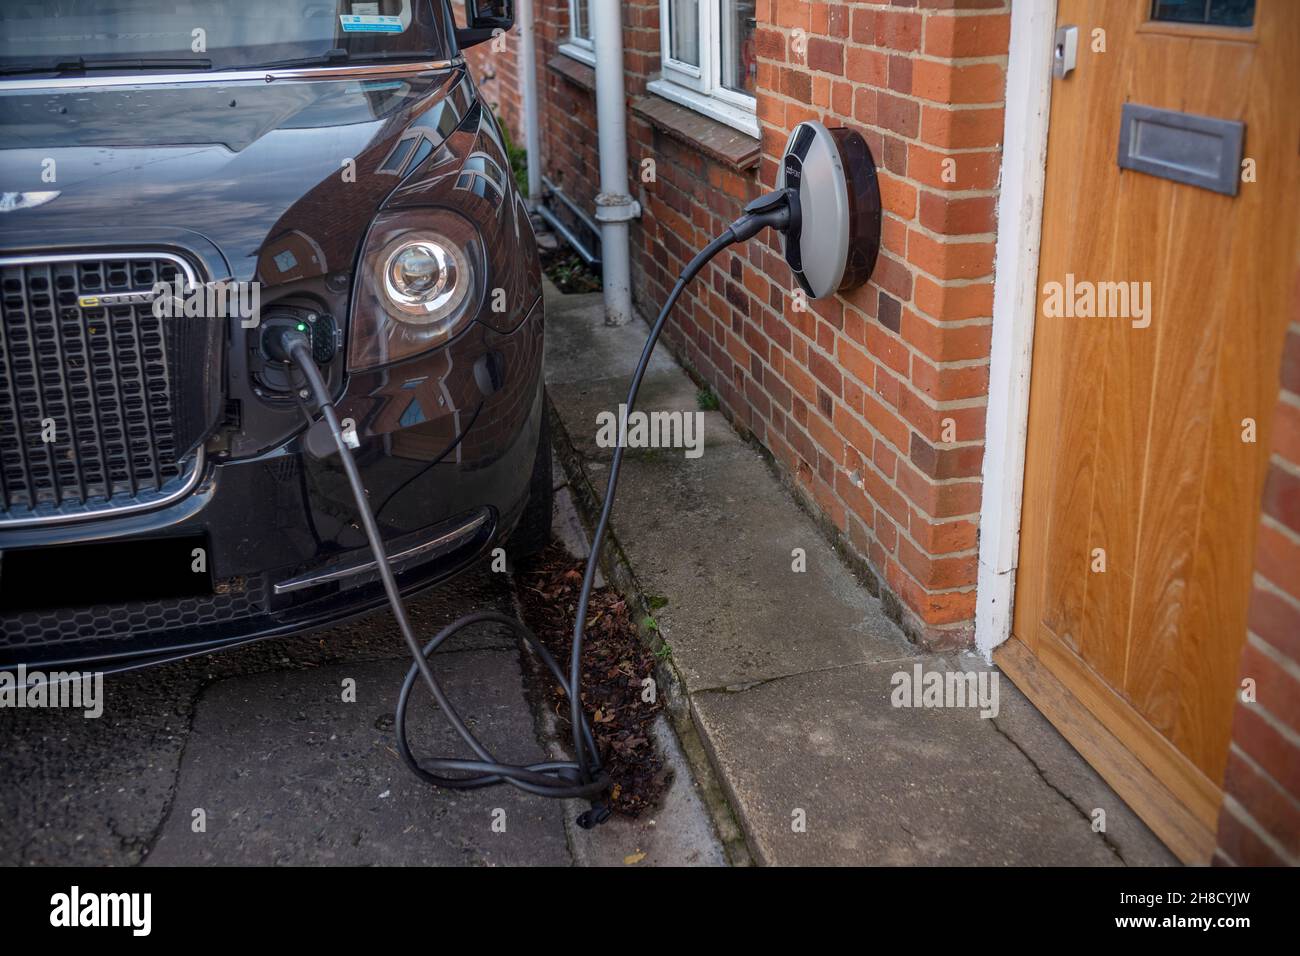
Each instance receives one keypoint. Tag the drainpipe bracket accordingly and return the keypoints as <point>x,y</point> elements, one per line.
<point>616,207</point>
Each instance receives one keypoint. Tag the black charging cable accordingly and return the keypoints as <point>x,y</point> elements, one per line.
<point>549,778</point>
<point>582,777</point>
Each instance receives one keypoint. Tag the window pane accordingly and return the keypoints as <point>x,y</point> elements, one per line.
<point>739,64</point>
<point>684,31</point>
<point>1232,13</point>
<point>1229,13</point>
<point>581,19</point>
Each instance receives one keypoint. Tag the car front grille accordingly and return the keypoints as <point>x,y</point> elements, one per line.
<point>87,391</point>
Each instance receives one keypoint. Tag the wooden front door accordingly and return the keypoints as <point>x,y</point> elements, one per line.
<point>1148,429</point>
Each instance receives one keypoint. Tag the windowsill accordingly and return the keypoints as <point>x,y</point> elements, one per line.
<point>579,74</point>
<point>721,142</point>
<point>740,119</point>
<point>579,53</point>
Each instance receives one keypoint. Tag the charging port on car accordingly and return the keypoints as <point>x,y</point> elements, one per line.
<point>274,377</point>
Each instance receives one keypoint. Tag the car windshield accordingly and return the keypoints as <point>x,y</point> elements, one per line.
<point>62,36</point>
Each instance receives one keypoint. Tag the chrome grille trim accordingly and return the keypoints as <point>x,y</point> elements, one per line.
<point>189,471</point>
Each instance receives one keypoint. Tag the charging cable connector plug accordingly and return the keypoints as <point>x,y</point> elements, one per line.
<point>598,814</point>
<point>278,342</point>
<point>778,209</point>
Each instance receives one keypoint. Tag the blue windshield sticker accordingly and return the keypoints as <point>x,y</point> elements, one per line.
<point>366,23</point>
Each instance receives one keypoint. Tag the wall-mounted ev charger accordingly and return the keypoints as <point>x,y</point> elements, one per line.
<point>827,207</point>
<point>834,236</point>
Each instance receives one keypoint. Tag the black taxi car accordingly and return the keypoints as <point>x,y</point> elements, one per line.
<point>179,177</point>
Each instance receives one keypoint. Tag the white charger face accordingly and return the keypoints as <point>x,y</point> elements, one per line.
<point>834,235</point>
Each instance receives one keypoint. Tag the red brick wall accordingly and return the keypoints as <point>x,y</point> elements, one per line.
<point>1260,820</point>
<point>851,397</point>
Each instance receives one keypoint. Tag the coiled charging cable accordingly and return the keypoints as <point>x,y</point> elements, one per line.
<point>582,777</point>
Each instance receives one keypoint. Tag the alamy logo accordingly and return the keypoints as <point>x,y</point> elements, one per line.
<point>1102,300</point>
<point>80,690</point>
<point>214,300</point>
<point>651,430</point>
<point>921,688</point>
<point>74,908</point>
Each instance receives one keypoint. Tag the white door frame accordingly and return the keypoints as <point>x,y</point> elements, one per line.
<point>1015,304</point>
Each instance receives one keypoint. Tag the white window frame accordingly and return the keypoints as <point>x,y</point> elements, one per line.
<point>579,48</point>
<point>700,87</point>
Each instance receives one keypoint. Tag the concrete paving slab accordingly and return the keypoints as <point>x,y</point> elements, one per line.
<point>1059,765</point>
<point>878,784</point>
<point>718,547</point>
<point>279,763</point>
<point>578,341</point>
<point>580,403</point>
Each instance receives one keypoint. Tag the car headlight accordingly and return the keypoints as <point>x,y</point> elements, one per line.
<point>420,283</point>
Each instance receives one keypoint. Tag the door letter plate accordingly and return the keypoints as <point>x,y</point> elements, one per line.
<point>1196,150</point>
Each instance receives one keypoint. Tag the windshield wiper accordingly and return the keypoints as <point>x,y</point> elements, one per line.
<point>340,55</point>
<point>82,64</point>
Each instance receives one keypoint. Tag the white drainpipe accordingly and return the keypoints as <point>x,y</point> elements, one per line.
<point>528,95</point>
<point>614,207</point>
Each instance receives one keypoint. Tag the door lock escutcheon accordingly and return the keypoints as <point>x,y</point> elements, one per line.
<point>1065,53</point>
